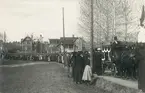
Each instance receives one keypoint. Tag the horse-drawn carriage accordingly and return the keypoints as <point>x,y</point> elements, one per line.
<point>107,63</point>
<point>120,59</point>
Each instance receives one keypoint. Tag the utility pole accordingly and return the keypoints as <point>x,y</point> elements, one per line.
<point>63,35</point>
<point>91,34</point>
<point>63,23</point>
<point>114,21</point>
<point>100,32</point>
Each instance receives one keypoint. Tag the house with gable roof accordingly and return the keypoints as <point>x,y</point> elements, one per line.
<point>53,45</point>
<point>68,43</point>
<point>27,44</point>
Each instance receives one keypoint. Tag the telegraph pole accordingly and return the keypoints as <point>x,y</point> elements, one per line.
<point>63,35</point>
<point>91,34</point>
<point>114,21</point>
<point>63,22</point>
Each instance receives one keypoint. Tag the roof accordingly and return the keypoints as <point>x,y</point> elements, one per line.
<point>26,38</point>
<point>54,41</point>
<point>68,40</point>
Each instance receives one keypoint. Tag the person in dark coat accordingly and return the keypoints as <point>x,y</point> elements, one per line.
<point>94,61</point>
<point>69,64</point>
<point>116,52</point>
<point>73,62</point>
<point>78,69</point>
<point>97,62</point>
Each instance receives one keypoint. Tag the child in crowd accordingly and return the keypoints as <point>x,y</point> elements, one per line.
<point>87,73</point>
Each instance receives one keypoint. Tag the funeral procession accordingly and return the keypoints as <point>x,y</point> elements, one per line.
<point>72,46</point>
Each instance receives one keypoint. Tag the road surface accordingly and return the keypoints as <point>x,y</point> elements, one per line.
<point>39,77</point>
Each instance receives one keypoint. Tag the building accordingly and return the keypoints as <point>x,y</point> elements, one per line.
<point>27,44</point>
<point>72,44</point>
<point>79,44</point>
<point>34,45</point>
<point>68,43</point>
<point>45,47</point>
<point>53,46</point>
<point>54,41</point>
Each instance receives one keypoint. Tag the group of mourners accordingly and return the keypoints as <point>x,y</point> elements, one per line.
<point>79,68</point>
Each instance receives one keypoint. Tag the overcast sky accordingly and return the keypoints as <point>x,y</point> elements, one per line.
<point>23,17</point>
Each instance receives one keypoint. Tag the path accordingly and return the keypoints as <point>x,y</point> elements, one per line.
<point>40,78</point>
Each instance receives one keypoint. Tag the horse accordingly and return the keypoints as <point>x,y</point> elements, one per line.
<point>116,51</point>
<point>128,63</point>
<point>124,57</point>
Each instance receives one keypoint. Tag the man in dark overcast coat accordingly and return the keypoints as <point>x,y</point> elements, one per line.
<point>78,68</point>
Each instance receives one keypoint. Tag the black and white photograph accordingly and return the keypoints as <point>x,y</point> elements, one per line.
<point>72,46</point>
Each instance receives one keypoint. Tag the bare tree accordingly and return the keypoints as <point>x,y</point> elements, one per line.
<point>111,18</point>
<point>85,17</point>
<point>126,11</point>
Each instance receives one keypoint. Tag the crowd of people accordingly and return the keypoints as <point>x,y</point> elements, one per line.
<point>79,68</point>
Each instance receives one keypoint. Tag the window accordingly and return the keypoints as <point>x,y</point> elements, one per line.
<point>70,46</point>
<point>25,48</point>
<point>66,46</point>
<point>28,42</point>
<point>25,42</point>
<point>77,47</point>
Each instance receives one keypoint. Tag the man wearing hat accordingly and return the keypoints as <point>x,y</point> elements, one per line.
<point>116,42</point>
<point>116,52</point>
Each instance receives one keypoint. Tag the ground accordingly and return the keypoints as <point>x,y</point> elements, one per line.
<point>40,77</point>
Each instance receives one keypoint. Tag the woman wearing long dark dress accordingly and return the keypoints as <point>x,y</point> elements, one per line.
<point>78,70</point>
<point>73,62</point>
<point>97,67</point>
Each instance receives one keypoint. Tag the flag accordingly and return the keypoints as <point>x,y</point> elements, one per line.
<point>33,46</point>
<point>142,17</point>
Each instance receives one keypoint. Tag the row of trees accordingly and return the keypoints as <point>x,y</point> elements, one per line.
<point>12,47</point>
<point>111,18</point>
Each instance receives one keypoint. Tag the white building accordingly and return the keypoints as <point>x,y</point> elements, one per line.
<point>72,44</point>
<point>79,44</point>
